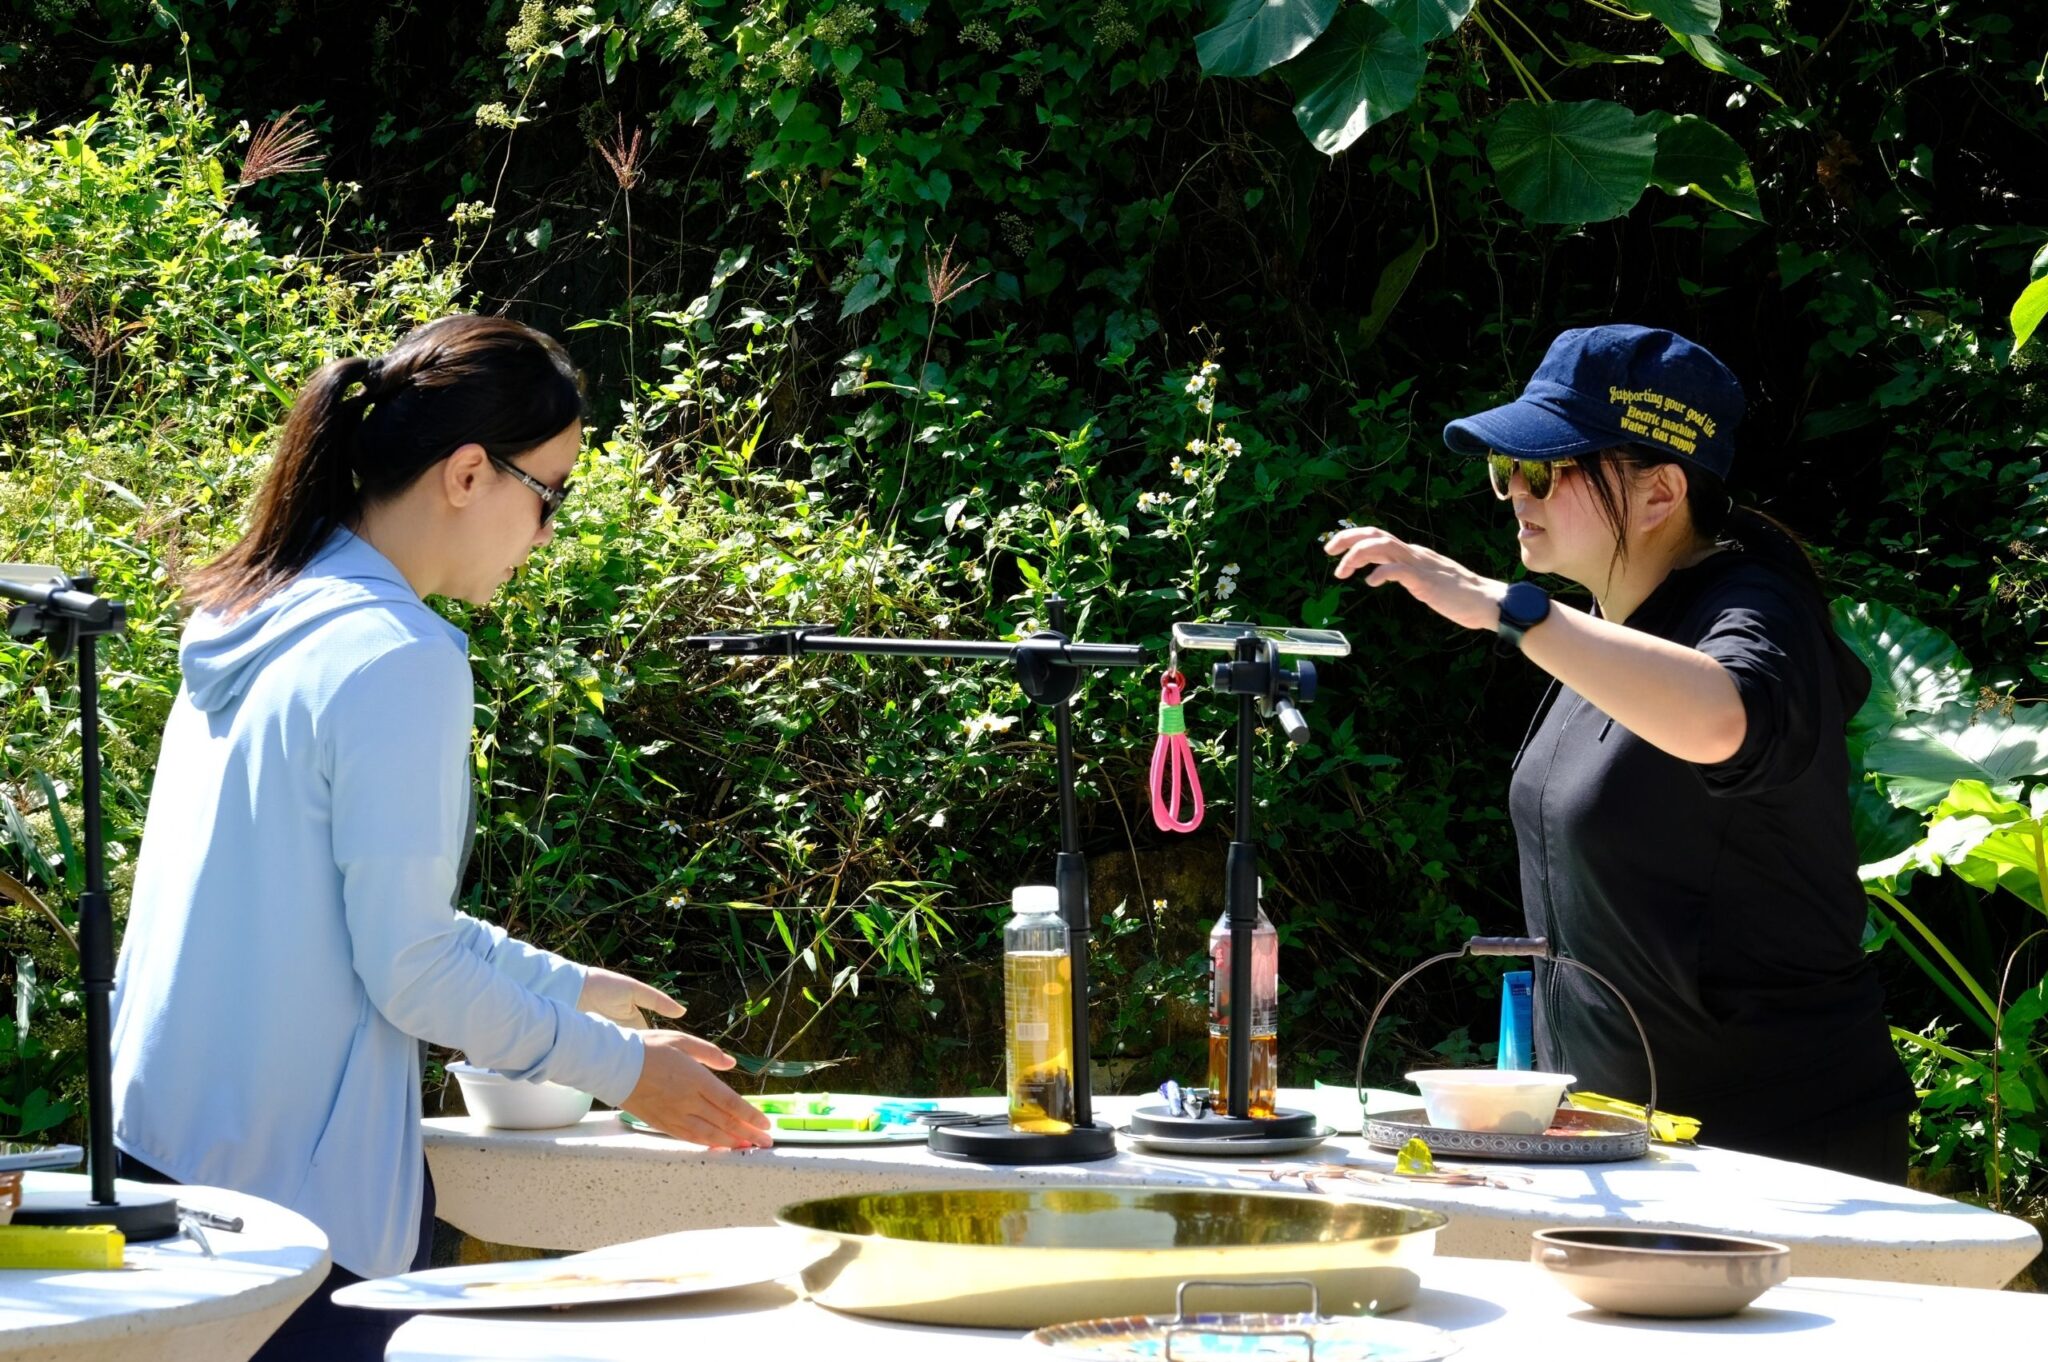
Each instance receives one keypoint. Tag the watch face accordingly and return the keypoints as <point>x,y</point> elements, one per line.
<point>1525,604</point>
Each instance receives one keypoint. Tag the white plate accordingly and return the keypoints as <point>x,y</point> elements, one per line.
<point>668,1265</point>
<point>1215,1338</point>
<point>1237,1148</point>
<point>915,1134</point>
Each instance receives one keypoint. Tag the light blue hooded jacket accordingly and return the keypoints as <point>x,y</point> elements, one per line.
<point>292,935</point>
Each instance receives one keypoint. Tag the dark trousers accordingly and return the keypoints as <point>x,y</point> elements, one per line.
<point>319,1330</point>
<point>1878,1150</point>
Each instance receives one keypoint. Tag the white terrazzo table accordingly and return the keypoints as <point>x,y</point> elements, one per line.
<point>600,1183</point>
<point>170,1303</point>
<point>1498,1311</point>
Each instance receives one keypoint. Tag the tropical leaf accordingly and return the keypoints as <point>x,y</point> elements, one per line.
<point>1361,71</point>
<point>1695,157</point>
<point>1915,669</point>
<point>1257,35</point>
<point>1424,21</point>
<point>1714,57</point>
<point>1920,762</point>
<point>1697,18</point>
<point>1583,162</point>
<point>2028,310</point>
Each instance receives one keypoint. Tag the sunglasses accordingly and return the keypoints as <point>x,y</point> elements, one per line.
<point>551,498</point>
<point>1540,474</point>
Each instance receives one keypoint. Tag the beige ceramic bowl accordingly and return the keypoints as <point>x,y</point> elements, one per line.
<point>1661,1272</point>
<point>1502,1101</point>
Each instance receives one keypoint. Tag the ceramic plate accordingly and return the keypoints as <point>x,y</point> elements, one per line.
<point>886,1135</point>
<point>1232,1148</point>
<point>1212,1338</point>
<point>669,1265</point>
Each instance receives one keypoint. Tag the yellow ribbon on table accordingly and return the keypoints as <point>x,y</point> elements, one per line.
<point>1667,1128</point>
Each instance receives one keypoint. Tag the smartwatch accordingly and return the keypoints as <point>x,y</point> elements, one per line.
<point>1525,606</point>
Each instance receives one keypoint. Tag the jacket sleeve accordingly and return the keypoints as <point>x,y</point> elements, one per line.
<point>395,743</point>
<point>529,966</point>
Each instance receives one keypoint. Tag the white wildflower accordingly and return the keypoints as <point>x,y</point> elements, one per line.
<point>988,721</point>
<point>1228,447</point>
<point>1205,404</point>
<point>237,230</point>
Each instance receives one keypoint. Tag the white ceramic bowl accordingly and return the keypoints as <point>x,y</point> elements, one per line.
<point>1505,1101</point>
<point>515,1104</point>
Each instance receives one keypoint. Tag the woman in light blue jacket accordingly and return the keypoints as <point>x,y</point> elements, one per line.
<point>292,935</point>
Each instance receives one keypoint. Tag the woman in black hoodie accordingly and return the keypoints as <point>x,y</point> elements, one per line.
<point>1681,803</point>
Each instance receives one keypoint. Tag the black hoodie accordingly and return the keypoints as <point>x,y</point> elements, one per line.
<point>1722,899</point>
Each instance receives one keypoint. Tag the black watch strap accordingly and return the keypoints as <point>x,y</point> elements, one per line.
<point>1525,606</point>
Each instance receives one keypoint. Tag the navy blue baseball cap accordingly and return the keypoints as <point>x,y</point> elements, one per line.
<point>1603,386</point>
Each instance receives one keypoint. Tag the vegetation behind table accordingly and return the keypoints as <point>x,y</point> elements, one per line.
<point>903,318</point>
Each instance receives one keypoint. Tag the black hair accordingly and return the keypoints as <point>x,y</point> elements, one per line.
<point>1716,517</point>
<point>361,431</point>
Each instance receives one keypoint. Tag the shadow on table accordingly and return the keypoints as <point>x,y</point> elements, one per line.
<point>1754,1320</point>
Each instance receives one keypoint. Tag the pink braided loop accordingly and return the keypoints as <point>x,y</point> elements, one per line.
<point>1173,763</point>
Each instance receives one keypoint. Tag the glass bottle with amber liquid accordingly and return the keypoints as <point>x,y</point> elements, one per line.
<point>1263,1089</point>
<point>1038,1012</point>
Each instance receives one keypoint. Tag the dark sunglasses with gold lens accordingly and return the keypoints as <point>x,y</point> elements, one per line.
<point>1540,474</point>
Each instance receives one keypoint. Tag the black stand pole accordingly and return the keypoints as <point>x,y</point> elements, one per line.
<point>1048,669</point>
<point>1263,687</point>
<point>66,614</point>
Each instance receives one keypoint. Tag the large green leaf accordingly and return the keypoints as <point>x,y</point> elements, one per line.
<point>1715,57</point>
<point>1698,18</point>
<point>1920,761</point>
<point>1583,162</point>
<point>1424,21</point>
<point>1695,157</point>
<point>1362,71</point>
<point>1882,829</point>
<point>1257,35</point>
<point>1914,668</point>
<point>2028,311</point>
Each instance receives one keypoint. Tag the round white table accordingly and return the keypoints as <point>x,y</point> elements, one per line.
<point>1499,1312</point>
<point>598,1183</point>
<point>170,1302</point>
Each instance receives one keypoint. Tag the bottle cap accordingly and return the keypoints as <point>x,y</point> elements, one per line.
<point>1035,898</point>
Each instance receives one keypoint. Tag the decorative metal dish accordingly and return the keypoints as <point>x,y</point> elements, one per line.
<point>1028,1257</point>
<point>1575,1136</point>
<point>1229,1146</point>
<point>1207,1337</point>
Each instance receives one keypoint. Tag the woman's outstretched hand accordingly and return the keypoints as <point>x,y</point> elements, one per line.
<point>620,998</point>
<point>678,1093</point>
<point>1451,589</point>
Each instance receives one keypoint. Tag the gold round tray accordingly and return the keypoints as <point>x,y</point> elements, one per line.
<point>1029,1257</point>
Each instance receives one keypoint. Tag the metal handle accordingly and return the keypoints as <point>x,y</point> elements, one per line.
<point>1535,947</point>
<point>1180,1294</point>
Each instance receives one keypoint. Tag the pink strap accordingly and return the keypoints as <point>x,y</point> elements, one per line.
<point>1173,762</point>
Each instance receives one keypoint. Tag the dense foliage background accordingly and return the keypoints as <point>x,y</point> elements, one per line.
<point>904,317</point>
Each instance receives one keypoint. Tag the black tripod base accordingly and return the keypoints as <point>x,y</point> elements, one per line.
<point>1163,1124</point>
<point>140,1212</point>
<point>990,1139</point>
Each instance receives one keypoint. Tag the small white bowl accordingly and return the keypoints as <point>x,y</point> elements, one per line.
<point>1504,1101</point>
<point>515,1104</point>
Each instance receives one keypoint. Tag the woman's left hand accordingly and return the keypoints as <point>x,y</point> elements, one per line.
<point>1451,589</point>
<point>620,998</point>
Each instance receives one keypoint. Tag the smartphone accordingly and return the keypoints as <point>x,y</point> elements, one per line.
<point>15,1156</point>
<point>1297,642</point>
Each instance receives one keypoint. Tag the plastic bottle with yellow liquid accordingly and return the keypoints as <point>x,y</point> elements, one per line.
<point>1038,983</point>
<point>1262,1092</point>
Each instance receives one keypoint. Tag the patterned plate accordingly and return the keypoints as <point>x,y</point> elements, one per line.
<point>1211,1338</point>
<point>1574,1137</point>
<point>916,1134</point>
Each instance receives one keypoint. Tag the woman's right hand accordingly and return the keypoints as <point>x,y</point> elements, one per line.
<point>677,1093</point>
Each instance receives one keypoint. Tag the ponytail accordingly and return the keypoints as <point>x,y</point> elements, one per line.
<point>1717,518</point>
<point>363,430</point>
